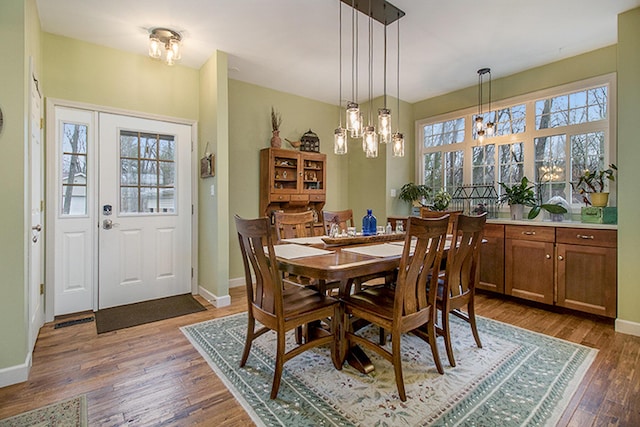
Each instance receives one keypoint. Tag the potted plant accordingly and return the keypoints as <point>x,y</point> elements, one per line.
<point>276,121</point>
<point>593,183</point>
<point>519,195</point>
<point>441,200</point>
<point>414,194</point>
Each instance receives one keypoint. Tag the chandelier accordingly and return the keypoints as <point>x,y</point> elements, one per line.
<point>164,39</point>
<point>483,129</point>
<point>385,13</point>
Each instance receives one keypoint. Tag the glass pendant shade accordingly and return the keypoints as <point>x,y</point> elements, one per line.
<point>340,141</point>
<point>370,139</point>
<point>384,125</point>
<point>398,144</point>
<point>356,132</point>
<point>174,46</point>
<point>353,117</point>
<point>155,50</point>
<point>479,121</point>
<point>481,136</point>
<point>490,129</point>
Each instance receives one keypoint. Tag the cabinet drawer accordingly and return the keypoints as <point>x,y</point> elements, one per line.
<point>299,197</point>
<point>526,232</point>
<point>493,230</point>
<point>587,237</point>
<point>280,197</point>
<point>317,197</point>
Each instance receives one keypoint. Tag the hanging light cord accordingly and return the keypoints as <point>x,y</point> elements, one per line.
<point>370,64</point>
<point>398,79</point>
<point>385,61</point>
<point>340,65</point>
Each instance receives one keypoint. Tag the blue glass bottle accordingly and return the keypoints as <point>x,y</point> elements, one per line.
<point>369,224</point>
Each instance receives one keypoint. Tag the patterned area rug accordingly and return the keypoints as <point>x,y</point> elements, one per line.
<point>69,413</point>
<point>518,378</point>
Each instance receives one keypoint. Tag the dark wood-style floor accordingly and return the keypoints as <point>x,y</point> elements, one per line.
<point>151,375</point>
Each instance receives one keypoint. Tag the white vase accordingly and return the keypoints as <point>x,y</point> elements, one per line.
<point>517,211</point>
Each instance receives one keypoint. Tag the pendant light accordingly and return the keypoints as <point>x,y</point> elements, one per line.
<point>369,136</point>
<point>384,114</point>
<point>354,118</point>
<point>397,137</point>
<point>340,134</point>
<point>483,130</point>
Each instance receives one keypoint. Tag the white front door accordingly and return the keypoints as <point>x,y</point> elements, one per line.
<point>144,210</point>
<point>141,168</point>
<point>36,249</point>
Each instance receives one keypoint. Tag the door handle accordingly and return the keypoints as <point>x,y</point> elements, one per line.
<point>36,227</point>
<point>107,224</point>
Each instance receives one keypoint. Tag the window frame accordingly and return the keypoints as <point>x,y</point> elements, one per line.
<point>531,133</point>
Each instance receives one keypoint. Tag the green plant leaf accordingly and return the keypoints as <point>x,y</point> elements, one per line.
<point>534,212</point>
<point>553,208</point>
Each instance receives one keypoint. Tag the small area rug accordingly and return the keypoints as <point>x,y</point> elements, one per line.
<point>518,378</point>
<point>68,413</point>
<point>125,316</point>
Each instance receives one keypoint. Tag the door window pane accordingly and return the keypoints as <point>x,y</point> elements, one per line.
<point>74,169</point>
<point>147,173</point>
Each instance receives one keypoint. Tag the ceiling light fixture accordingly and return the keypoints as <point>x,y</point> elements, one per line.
<point>340,134</point>
<point>385,13</point>
<point>483,130</point>
<point>169,40</point>
<point>398,138</point>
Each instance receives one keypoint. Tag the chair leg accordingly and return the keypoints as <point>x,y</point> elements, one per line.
<point>397,365</point>
<point>251,324</point>
<point>277,373</point>
<point>337,336</point>
<point>383,336</point>
<point>446,332</point>
<point>472,320</point>
<point>431,327</point>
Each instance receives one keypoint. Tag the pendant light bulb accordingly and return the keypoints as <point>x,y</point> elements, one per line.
<point>370,140</point>
<point>384,125</point>
<point>398,144</point>
<point>340,141</point>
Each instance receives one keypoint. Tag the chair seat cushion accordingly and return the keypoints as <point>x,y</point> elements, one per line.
<point>376,299</point>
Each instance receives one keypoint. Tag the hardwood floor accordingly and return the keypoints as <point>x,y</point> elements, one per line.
<point>151,375</point>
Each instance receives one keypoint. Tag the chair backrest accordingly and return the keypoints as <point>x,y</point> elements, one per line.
<point>293,224</point>
<point>343,218</point>
<point>453,216</point>
<point>462,271</point>
<point>418,271</point>
<point>253,234</point>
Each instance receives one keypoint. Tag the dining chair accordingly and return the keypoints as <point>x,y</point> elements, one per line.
<point>293,224</point>
<point>409,305</point>
<point>456,289</point>
<point>277,308</point>
<point>343,218</point>
<point>453,215</point>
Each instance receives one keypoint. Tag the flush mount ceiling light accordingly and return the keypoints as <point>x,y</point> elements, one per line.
<point>164,39</point>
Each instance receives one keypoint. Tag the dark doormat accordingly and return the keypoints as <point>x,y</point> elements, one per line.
<point>125,316</point>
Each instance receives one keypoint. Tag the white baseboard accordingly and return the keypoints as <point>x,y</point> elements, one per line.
<point>238,281</point>
<point>627,327</point>
<point>15,374</point>
<point>215,300</point>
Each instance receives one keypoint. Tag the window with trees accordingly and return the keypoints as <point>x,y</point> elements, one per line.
<point>74,169</point>
<point>550,136</point>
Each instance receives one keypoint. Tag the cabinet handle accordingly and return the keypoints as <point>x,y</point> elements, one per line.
<point>548,256</point>
<point>529,233</point>
<point>584,236</point>
<point>560,257</point>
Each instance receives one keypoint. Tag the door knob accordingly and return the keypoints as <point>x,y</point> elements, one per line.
<point>36,227</point>
<point>107,224</point>
<point>560,257</point>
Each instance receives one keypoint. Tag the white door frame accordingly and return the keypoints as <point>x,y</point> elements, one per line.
<point>51,184</point>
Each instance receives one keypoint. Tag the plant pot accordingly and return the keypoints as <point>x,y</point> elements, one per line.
<point>517,211</point>
<point>599,199</point>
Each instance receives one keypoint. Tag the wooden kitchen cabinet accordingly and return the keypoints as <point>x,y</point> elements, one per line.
<point>529,262</point>
<point>292,181</point>
<point>586,263</point>
<point>492,259</point>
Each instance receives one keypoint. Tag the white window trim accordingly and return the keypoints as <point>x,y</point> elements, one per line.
<point>529,99</point>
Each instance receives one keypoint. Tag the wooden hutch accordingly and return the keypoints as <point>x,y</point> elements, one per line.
<point>293,181</point>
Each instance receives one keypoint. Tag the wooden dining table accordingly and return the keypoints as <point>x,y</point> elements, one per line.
<point>347,265</point>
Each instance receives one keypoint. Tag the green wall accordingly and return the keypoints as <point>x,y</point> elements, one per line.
<point>628,161</point>
<point>250,131</point>
<point>13,101</point>
<point>88,73</point>
<point>213,211</point>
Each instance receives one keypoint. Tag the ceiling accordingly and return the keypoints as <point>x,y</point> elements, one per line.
<point>293,45</point>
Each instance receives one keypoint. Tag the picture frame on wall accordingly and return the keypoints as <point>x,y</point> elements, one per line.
<point>207,166</point>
